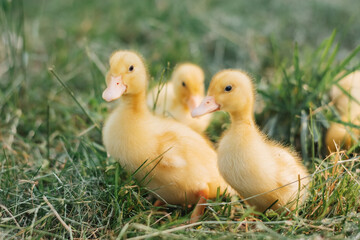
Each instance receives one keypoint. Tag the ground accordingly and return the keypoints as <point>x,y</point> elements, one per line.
<point>56,180</point>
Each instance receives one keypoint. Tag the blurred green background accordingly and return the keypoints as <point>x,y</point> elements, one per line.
<point>77,38</point>
<point>269,39</point>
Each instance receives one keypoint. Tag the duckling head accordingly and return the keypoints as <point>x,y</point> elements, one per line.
<point>127,75</point>
<point>231,91</point>
<point>188,80</point>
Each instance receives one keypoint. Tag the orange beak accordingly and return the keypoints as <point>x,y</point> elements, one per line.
<point>208,105</point>
<point>114,90</point>
<point>193,102</point>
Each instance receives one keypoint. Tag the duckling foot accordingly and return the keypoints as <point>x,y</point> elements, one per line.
<point>159,203</point>
<point>199,208</point>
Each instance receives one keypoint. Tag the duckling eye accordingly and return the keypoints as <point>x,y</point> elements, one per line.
<point>228,88</point>
<point>131,68</point>
<point>183,84</point>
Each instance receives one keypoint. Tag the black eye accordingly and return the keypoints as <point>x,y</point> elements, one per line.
<point>183,84</point>
<point>131,68</point>
<point>228,88</point>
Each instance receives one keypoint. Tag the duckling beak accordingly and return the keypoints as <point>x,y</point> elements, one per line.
<point>208,105</point>
<point>193,102</point>
<point>114,90</point>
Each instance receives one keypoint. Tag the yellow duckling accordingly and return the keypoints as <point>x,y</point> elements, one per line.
<point>180,96</point>
<point>181,163</point>
<point>248,161</point>
<point>338,134</point>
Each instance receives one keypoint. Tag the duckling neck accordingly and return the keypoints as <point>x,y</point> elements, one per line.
<point>178,101</point>
<point>135,103</point>
<point>242,118</point>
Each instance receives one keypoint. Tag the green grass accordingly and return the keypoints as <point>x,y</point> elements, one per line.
<point>56,180</point>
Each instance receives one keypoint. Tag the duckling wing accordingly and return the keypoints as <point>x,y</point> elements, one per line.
<point>168,142</point>
<point>184,148</point>
<point>290,169</point>
<point>288,166</point>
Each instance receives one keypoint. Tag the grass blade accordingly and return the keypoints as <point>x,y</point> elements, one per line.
<point>347,59</point>
<point>52,71</point>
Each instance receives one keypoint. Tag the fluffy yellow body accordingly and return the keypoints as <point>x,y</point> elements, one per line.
<point>177,98</point>
<point>248,161</point>
<point>183,163</point>
<point>338,134</point>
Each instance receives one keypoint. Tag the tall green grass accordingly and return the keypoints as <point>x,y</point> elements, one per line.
<point>297,105</point>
